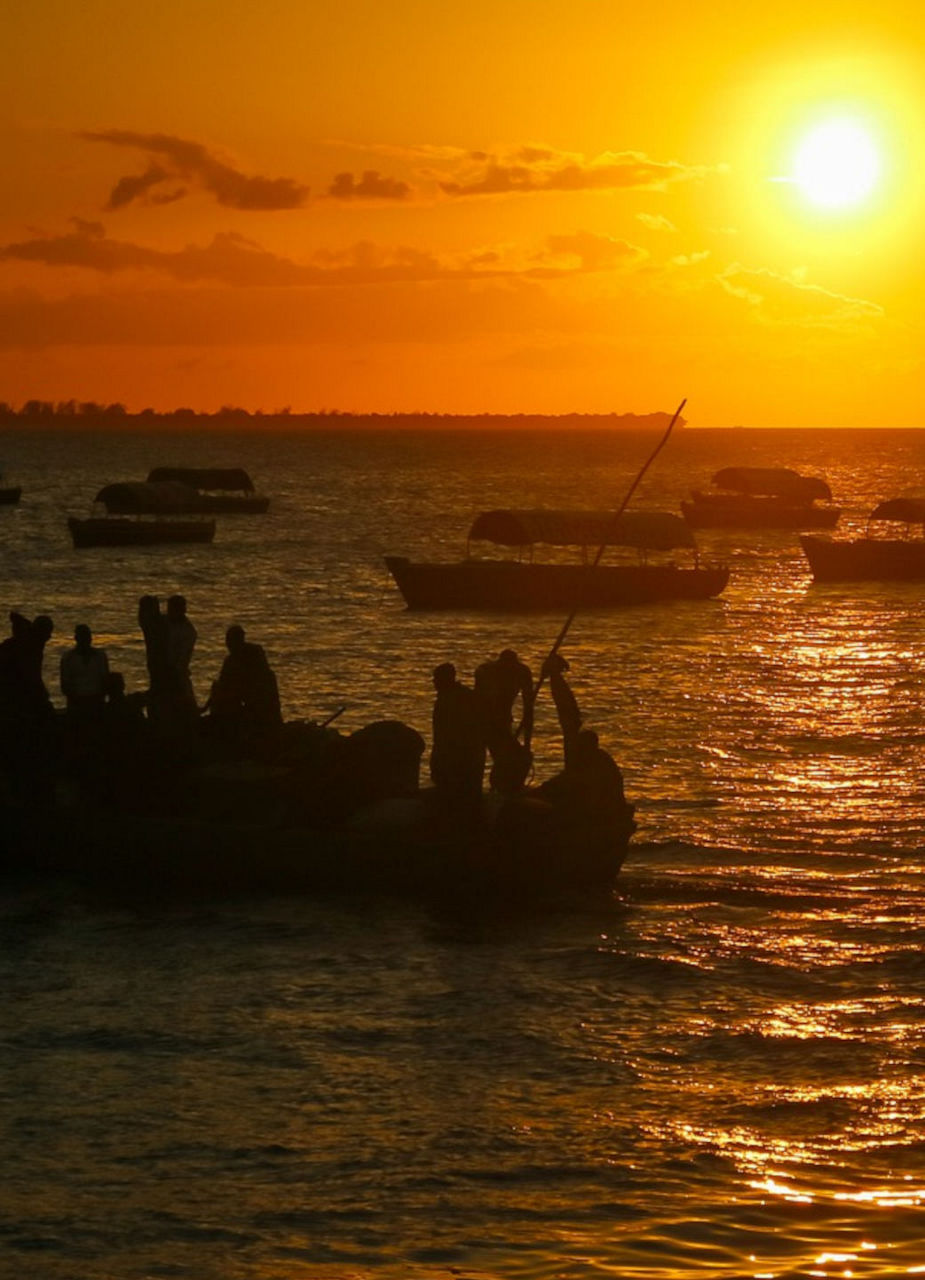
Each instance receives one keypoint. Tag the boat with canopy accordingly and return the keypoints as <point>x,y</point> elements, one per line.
<point>557,583</point>
<point>141,514</point>
<point>761,498</point>
<point>216,490</point>
<point>872,558</point>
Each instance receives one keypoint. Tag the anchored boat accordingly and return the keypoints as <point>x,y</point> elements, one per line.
<point>215,490</point>
<point>140,514</point>
<point>876,559</point>
<point>526,584</point>
<point>761,498</point>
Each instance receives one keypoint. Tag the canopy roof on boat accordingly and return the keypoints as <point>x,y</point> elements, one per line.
<point>139,497</point>
<point>647,530</point>
<point>772,482</point>
<point>909,510</point>
<point>226,479</point>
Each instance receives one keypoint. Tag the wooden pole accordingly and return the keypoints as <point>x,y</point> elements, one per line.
<point>610,528</point>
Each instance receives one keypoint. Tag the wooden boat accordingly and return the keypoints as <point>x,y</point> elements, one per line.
<point>520,585</point>
<point>329,813</point>
<point>140,515</point>
<point>761,498</point>
<point>520,852</point>
<point>224,491</point>
<point>874,559</point>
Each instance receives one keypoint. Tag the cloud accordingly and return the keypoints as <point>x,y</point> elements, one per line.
<point>689,259</point>
<point>779,300</point>
<point>371,186</point>
<point>178,159</point>
<point>134,186</point>
<point>541,169</point>
<point>236,261</point>
<point>656,222</point>
<point>230,259</point>
<point>595,252</point>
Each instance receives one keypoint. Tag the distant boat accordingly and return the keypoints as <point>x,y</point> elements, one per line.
<point>521,585</point>
<point>217,491</point>
<point>140,515</point>
<point>761,498</point>
<point>873,559</point>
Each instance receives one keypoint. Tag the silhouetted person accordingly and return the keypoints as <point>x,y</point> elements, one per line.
<point>171,705</point>
<point>14,665</point>
<point>120,707</point>
<point>570,718</point>
<point>84,672</point>
<point>457,758</point>
<point>590,787</point>
<point>28,736</point>
<point>181,641</point>
<point>22,689</point>
<point>244,702</point>
<point>128,758</point>
<point>21,656</point>
<point>498,685</point>
<point>154,629</point>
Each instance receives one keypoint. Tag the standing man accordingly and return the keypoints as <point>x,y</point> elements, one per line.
<point>498,685</point>
<point>457,757</point>
<point>84,676</point>
<point>181,641</point>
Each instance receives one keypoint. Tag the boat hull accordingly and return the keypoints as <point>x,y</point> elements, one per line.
<point>515,851</point>
<point>507,585</point>
<point>715,512</point>
<point>865,559</point>
<point>114,531</point>
<point>231,504</point>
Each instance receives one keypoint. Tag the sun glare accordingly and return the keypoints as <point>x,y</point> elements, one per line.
<point>836,164</point>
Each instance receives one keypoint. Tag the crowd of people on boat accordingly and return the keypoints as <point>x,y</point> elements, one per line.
<point>472,725</point>
<point>118,739</point>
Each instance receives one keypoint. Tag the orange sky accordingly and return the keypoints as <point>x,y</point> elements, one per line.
<point>497,206</point>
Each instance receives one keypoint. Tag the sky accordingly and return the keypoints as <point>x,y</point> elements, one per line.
<point>492,207</point>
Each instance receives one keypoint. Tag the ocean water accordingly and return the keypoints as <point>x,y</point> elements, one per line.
<point>719,1073</point>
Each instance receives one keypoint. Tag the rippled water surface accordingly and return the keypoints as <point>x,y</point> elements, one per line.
<point>720,1073</point>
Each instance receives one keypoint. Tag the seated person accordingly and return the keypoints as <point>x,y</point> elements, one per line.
<point>244,701</point>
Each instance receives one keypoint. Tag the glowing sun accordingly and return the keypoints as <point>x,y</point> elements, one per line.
<point>836,164</point>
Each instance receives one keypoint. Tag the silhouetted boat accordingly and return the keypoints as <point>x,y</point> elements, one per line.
<point>872,558</point>
<point>522,585</point>
<point>761,498</point>
<point>139,514</point>
<point>324,811</point>
<point>522,851</point>
<point>217,490</point>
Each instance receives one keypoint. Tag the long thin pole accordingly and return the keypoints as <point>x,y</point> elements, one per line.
<point>609,529</point>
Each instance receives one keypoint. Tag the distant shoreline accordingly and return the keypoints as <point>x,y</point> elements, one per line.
<point>117,418</point>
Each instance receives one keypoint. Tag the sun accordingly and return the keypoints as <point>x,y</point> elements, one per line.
<point>837,164</point>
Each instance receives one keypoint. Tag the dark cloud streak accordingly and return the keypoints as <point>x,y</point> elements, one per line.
<point>533,169</point>
<point>233,260</point>
<point>371,186</point>
<point>190,162</point>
